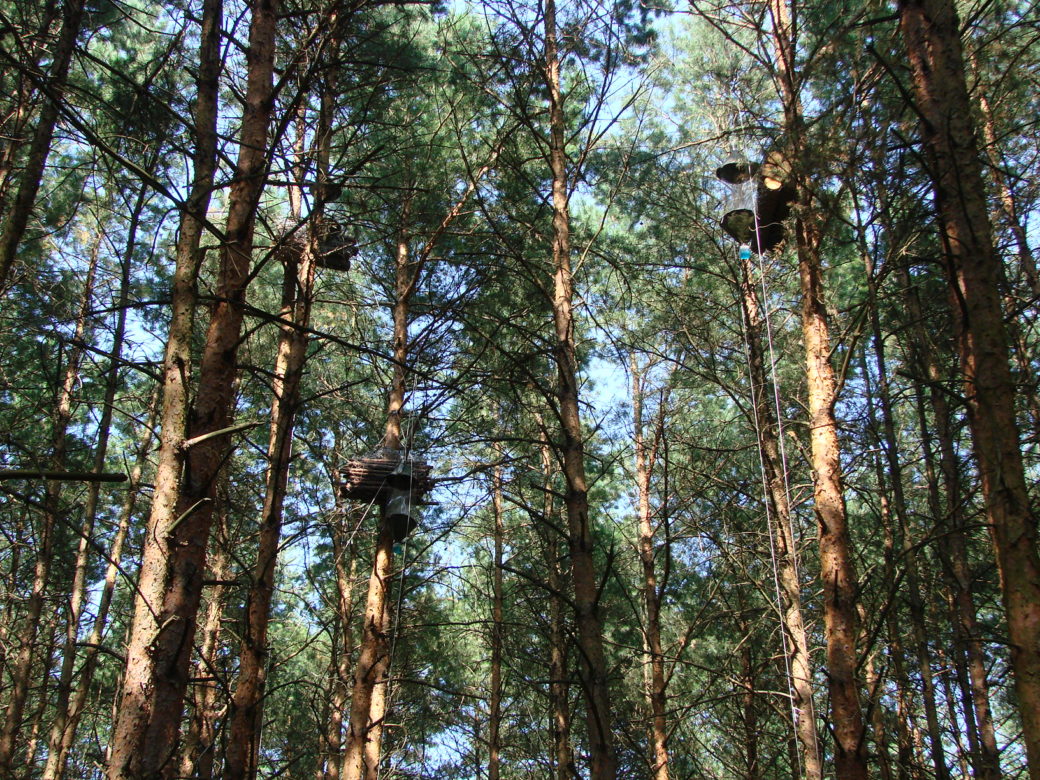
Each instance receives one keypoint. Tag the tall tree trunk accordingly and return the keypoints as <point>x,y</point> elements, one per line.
<point>247,711</point>
<point>645,460</point>
<point>497,628</point>
<point>39,150</point>
<point>375,646</point>
<point>836,570</point>
<point>342,650</point>
<point>889,449</point>
<point>60,723</point>
<point>932,34</point>
<point>765,400</point>
<point>48,527</point>
<point>559,681</point>
<point>166,607</point>
<point>367,707</point>
<point>952,539</point>
<point>112,571</point>
<point>198,750</point>
<point>589,623</point>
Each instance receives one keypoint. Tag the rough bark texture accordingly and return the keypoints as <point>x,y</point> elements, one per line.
<point>592,664</point>
<point>837,574</point>
<point>375,646</point>
<point>367,704</point>
<point>657,688</point>
<point>242,755</point>
<point>166,607</point>
<point>932,34</point>
<point>115,553</point>
<point>48,529</point>
<point>198,748</point>
<point>765,401</point>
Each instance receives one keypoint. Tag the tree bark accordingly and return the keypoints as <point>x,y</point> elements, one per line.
<point>166,607</point>
<point>889,450</point>
<point>198,749</point>
<point>375,646</point>
<point>242,757</point>
<point>953,542</point>
<point>645,460</point>
<point>93,643</point>
<point>589,623</point>
<point>48,528</point>
<point>765,400</point>
<point>837,573</point>
<point>341,658</point>
<point>55,766</point>
<point>559,681</point>
<point>932,33</point>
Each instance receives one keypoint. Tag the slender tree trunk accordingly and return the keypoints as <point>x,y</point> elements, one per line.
<point>375,646</point>
<point>889,449</point>
<point>765,399</point>
<point>836,570</point>
<point>166,607</point>
<point>48,529</point>
<point>657,690</point>
<point>341,659</point>
<point>39,150</point>
<point>559,681</point>
<point>953,543</point>
<point>93,643</point>
<point>1008,205</point>
<point>874,683</point>
<point>589,623</point>
<point>54,767</point>
<point>247,711</point>
<point>932,34</point>
<point>199,748</point>
<point>497,628</point>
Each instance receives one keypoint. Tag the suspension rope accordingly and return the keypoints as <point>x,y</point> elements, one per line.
<point>784,473</point>
<point>773,555</point>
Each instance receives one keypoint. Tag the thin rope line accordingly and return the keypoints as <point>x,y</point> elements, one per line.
<point>793,552</point>
<point>755,397</point>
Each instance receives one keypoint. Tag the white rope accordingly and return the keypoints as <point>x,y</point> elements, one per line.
<point>755,397</point>
<point>793,552</point>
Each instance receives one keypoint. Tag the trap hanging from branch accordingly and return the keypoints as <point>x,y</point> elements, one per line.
<point>392,479</point>
<point>758,201</point>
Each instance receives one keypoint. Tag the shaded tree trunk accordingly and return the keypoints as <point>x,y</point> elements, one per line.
<point>91,657</point>
<point>247,712</point>
<point>166,607</point>
<point>588,621</point>
<point>765,399</point>
<point>60,723</point>
<point>657,688</point>
<point>932,34</point>
<point>199,749</point>
<point>952,538</point>
<point>837,573</point>
<point>21,672</point>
